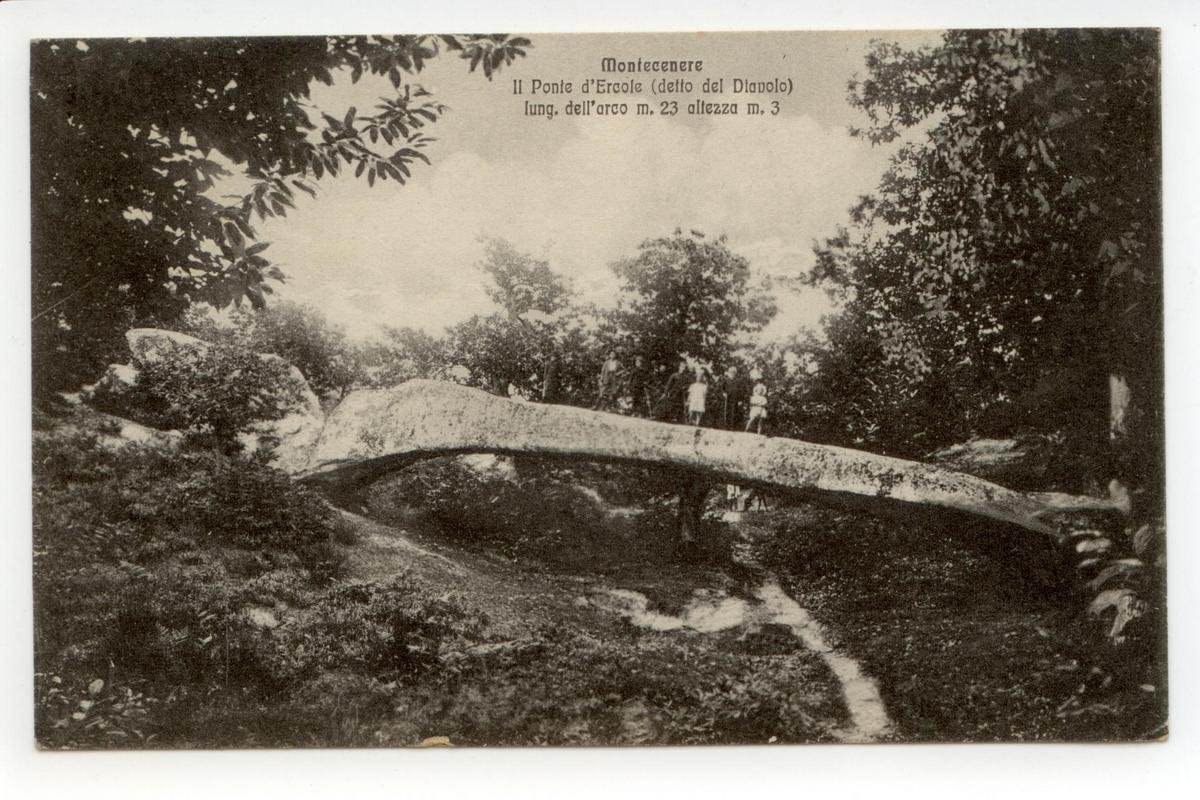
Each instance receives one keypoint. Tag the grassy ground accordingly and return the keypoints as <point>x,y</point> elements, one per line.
<point>569,671</point>
<point>182,602</point>
<point>169,615</point>
<point>966,639</point>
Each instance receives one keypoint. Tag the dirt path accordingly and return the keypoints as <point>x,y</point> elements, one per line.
<point>519,599</point>
<point>711,612</point>
<point>868,717</point>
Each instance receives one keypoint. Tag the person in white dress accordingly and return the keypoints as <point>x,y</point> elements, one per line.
<point>696,398</point>
<point>758,408</point>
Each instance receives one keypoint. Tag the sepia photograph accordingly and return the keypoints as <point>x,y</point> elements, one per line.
<point>597,389</point>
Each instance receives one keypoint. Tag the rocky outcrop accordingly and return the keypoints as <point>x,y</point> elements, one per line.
<point>296,433</point>
<point>148,345</point>
<point>373,432</point>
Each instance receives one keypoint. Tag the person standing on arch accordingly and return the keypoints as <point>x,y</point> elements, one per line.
<point>638,388</point>
<point>672,405</point>
<point>697,398</point>
<point>758,403</point>
<point>733,392</point>
<point>610,383</point>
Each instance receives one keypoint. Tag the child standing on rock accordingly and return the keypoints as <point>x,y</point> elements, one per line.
<point>696,396</point>
<point>758,407</point>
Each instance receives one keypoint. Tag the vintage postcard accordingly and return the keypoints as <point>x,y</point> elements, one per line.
<point>598,389</point>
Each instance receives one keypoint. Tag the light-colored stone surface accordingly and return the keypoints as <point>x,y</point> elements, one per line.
<point>116,380</point>
<point>150,344</point>
<point>373,432</point>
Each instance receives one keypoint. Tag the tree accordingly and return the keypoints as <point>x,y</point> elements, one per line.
<point>498,353</point>
<point>687,294</point>
<point>537,323</point>
<point>404,354</point>
<point>129,140</point>
<point>1011,257</point>
<point>845,390</point>
<point>303,337</point>
<point>299,334</point>
<point>521,284</point>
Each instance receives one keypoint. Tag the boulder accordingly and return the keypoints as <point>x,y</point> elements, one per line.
<point>295,434</point>
<point>112,385</point>
<point>150,344</point>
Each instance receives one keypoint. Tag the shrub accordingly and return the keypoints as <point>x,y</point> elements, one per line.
<point>126,577</point>
<point>184,627</point>
<point>391,629</point>
<point>299,334</point>
<point>538,511</point>
<point>287,585</point>
<point>345,532</point>
<point>249,504</point>
<point>146,558</point>
<point>87,496</point>
<point>574,688</point>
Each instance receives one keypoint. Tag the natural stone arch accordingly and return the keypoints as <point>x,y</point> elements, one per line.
<point>374,432</point>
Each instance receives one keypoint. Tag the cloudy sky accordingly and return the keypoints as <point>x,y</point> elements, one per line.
<point>583,192</point>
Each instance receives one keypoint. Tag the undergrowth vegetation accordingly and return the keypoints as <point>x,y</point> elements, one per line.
<point>190,599</point>
<point>589,516</point>
<point>567,687</point>
<point>160,579</point>
<point>978,638</point>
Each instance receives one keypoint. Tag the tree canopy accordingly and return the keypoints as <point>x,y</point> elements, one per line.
<point>687,293</point>
<point>1010,261</point>
<point>521,284</point>
<point>537,320</point>
<point>125,225</point>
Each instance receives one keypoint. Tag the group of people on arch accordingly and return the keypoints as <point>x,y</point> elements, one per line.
<point>733,401</point>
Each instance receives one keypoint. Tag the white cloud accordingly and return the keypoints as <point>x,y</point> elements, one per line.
<point>406,255</point>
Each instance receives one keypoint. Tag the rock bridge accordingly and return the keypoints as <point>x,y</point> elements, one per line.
<point>374,432</point>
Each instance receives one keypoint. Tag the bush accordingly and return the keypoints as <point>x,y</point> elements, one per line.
<point>571,687</point>
<point>392,629</point>
<point>299,334</point>
<point>536,510</point>
<point>180,593</point>
<point>88,497</point>
<point>131,546</point>
<point>246,503</point>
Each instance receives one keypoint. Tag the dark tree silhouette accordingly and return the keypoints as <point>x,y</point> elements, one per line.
<point>1011,257</point>
<point>124,134</point>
